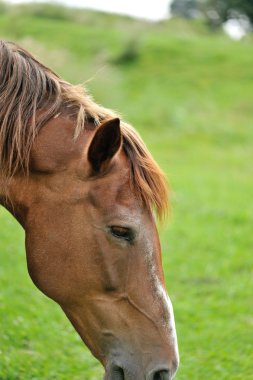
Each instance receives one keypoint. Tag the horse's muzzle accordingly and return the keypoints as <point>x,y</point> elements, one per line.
<point>115,372</point>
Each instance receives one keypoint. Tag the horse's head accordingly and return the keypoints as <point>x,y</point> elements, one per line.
<point>92,246</point>
<point>86,203</point>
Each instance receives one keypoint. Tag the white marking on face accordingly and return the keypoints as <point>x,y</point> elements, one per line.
<point>171,326</point>
<point>168,322</point>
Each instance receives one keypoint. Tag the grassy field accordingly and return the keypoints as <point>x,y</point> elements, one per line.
<point>189,93</point>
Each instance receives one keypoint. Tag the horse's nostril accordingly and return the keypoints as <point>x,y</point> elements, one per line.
<point>117,373</point>
<point>161,375</point>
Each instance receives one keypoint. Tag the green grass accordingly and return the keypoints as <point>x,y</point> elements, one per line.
<point>189,93</point>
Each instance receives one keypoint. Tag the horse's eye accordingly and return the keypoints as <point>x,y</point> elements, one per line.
<point>124,233</point>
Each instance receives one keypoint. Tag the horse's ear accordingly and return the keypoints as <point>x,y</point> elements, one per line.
<point>104,145</point>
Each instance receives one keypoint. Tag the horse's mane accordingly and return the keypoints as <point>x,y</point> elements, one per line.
<point>28,87</point>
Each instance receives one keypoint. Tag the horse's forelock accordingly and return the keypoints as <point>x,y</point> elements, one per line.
<point>148,180</point>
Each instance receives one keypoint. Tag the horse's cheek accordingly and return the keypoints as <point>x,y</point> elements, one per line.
<point>44,272</point>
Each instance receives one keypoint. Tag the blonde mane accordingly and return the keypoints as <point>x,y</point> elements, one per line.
<point>27,87</point>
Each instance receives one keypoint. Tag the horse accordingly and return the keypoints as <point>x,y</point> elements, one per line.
<point>87,192</point>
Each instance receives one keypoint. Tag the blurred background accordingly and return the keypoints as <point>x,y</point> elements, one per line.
<point>182,73</point>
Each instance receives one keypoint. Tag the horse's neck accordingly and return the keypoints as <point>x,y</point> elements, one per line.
<point>2,184</point>
<point>1,196</point>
